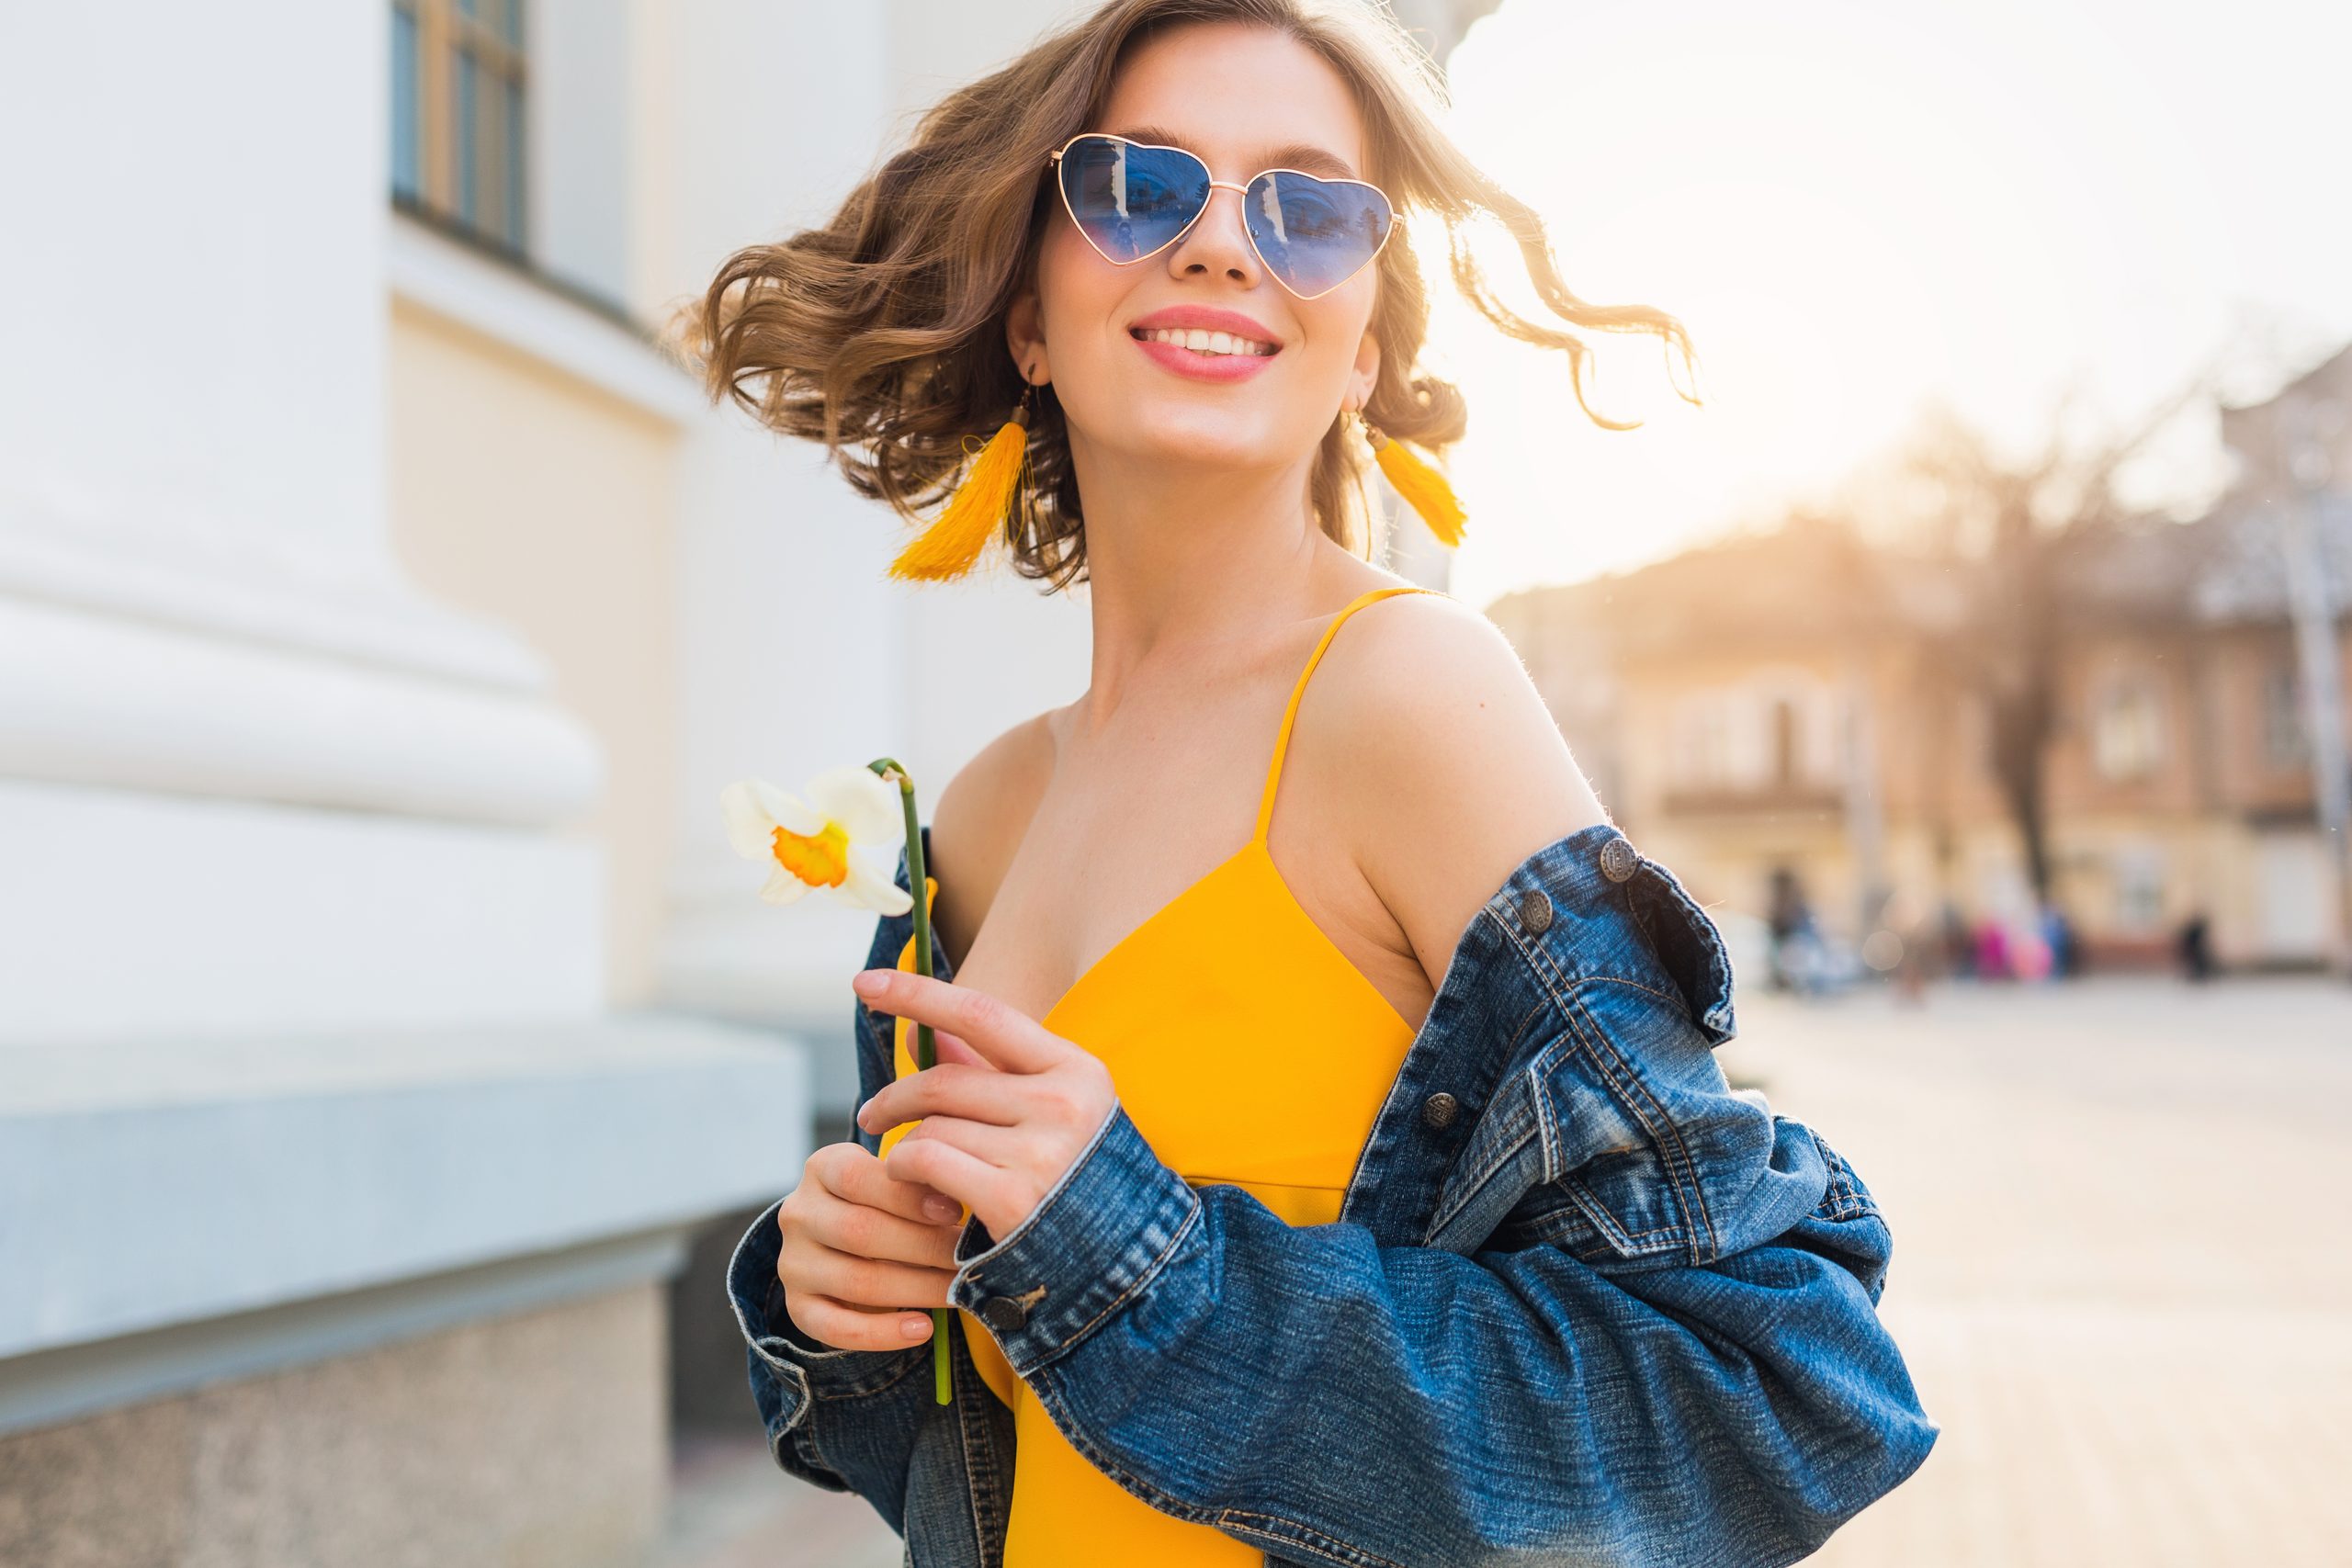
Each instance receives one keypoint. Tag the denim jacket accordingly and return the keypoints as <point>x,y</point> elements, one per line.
<point>1584,1303</point>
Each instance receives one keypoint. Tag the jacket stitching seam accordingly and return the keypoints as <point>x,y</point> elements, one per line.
<point>1477,1184</point>
<point>979,1472</point>
<point>1505,1155</point>
<point>1686,1169</point>
<point>1151,1272</point>
<point>1571,1002</point>
<point>815,1451</point>
<point>1565,995</point>
<point>1584,1028</point>
<point>1314,1539</point>
<point>1557,981</point>
<point>864,1390</point>
<point>1637,1099</point>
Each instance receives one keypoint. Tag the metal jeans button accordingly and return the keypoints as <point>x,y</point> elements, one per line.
<point>1536,910</point>
<point>1438,1109</point>
<point>1619,860</point>
<point>1003,1313</point>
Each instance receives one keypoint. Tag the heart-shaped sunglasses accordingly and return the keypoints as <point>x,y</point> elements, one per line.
<point>1134,200</point>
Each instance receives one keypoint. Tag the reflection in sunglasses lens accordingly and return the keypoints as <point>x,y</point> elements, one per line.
<point>1314,234</point>
<point>1131,201</point>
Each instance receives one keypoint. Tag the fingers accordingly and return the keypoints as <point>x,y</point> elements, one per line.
<point>974,1093</point>
<point>855,1175</point>
<point>1000,1032</point>
<point>1000,1146</point>
<point>854,1279</point>
<point>834,1249</point>
<point>989,1189</point>
<point>844,1327</point>
<point>947,1048</point>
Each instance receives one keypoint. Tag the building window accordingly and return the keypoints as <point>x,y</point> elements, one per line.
<point>2284,745</point>
<point>2127,731</point>
<point>1702,759</point>
<point>457,99</point>
<point>2138,874</point>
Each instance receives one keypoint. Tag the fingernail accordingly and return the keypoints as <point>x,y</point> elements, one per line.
<point>867,982</point>
<point>941,1208</point>
<point>915,1327</point>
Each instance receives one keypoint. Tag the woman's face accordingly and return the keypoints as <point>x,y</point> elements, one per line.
<point>1245,99</point>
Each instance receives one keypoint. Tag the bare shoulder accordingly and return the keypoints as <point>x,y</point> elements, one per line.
<point>977,821</point>
<point>1457,769</point>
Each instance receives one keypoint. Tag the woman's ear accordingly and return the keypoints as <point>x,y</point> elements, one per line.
<point>1366,373</point>
<point>1024,335</point>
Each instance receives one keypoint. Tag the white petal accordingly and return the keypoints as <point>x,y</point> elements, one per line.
<point>868,891</point>
<point>783,887</point>
<point>862,801</point>
<point>789,810</point>
<point>749,827</point>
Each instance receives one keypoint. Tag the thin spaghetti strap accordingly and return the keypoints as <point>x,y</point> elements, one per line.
<point>1290,712</point>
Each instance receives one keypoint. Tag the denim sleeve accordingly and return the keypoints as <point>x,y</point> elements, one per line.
<point>843,1420</point>
<point>1606,1390</point>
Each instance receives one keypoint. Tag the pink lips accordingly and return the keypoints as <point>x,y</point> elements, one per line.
<point>1206,367</point>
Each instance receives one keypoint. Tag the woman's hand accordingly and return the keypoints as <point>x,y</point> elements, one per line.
<point>859,1248</point>
<point>1005,1107</point>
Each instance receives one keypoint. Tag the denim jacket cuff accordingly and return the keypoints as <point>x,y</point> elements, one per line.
<point>1094,1240</point>
<point>797,1368</point>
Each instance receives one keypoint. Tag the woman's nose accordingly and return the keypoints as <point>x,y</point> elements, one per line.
<point>1218,242</point>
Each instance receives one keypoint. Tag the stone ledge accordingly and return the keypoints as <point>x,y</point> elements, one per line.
<point>76,1381</point>
<point>145,1185</point>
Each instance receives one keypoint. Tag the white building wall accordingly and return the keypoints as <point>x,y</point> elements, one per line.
<point>290,952</point>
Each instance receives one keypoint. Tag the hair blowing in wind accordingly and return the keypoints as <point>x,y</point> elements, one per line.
<point>879,332</point>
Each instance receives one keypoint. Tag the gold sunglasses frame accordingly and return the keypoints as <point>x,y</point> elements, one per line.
<point>1053,158</point>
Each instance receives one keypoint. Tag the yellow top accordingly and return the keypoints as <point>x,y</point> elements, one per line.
<point>1229,985</point>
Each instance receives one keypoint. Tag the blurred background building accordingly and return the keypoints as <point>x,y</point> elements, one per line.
<point>390,1047</point>
<point>1805,709</point>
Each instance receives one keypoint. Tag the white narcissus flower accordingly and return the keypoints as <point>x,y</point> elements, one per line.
<point>811,843</point>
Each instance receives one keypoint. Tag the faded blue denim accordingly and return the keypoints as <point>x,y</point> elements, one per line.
<point>1608,1311</point>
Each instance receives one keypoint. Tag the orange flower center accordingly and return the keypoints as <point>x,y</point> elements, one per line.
<point>822,861</point>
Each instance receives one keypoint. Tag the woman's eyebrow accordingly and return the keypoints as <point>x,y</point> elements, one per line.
<point>1303,156</point>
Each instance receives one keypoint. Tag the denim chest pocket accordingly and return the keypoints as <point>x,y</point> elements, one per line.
<point>1653,1161</point>
<point>1568,1156</point>
<point>1653,1158</point>
<point>1509,1151</point>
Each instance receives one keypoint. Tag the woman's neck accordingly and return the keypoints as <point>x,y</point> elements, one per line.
<point>1190,564</point>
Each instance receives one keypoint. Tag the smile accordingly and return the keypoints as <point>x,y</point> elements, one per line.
<point>1207,343</point>
<point>1206,355</point>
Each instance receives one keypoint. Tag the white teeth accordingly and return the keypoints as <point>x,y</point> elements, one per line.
<point>1208,342</point>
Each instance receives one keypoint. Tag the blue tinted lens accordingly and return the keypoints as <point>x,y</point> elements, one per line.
<point>1130,199</point>
<point>1315,234</point>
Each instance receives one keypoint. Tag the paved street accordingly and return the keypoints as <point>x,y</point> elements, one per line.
<point>2122,1273</point>
<point>2121,1276</point>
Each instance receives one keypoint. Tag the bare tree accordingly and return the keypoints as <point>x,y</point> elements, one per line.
<point>2018,538</point>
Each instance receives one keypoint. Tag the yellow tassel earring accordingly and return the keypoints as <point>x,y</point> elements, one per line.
<point>976,511</point>
<point>1423,487</point>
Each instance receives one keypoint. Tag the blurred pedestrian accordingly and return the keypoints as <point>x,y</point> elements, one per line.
<point>2066,949</point>
<point>2196,948</point>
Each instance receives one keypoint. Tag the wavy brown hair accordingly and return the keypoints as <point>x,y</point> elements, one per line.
<point>881,332</point>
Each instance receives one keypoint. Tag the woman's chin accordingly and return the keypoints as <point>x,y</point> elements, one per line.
<point>1230,437</point>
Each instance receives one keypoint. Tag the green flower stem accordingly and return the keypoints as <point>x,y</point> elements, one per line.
<point>925,1051</point>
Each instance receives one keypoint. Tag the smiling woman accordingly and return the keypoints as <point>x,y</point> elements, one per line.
<point>1365,1194</point>
<point>883,332</point>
